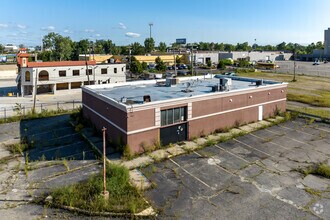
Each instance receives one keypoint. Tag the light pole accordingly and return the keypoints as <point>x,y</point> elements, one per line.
<point>150,25</point>
<point>105,192</point>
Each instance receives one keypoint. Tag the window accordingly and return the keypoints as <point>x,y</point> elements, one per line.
<point>122,69</point>
<point>43,75</point>
<point>104,71</point>
<point>27,76</point>
<point>89,72</point>
<point>172,116</point>
<point>75,72</point>
<point>115,70</point>
<point>62,73</point>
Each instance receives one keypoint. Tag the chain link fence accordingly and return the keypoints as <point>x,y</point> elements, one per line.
<point>23,110</point>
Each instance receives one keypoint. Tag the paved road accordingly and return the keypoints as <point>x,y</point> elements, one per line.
<point>306,68</point>
<point>252,177</point>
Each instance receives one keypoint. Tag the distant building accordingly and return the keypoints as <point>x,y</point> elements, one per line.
<point>255,55</point>
<point>327,43</point>
<point>49,77</point>
<point>10,48</point>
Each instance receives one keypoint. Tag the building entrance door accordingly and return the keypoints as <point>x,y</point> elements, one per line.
<point>173,134</point>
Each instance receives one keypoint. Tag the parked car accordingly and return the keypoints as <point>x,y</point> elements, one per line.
<point>316,63</point>
<point>182,73</point>
<point>229,74</point>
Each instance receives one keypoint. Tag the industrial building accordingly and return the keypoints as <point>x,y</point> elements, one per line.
<point>143,113</point>
<point>255,55</point>
<point>49,77</point>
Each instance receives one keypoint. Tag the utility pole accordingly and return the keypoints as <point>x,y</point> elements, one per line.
<point>87,72</point>
<point>294,65</point>
<point>150,25</point>
<point>35,92</point>
<point>130,62</point>
<point>105,192</point>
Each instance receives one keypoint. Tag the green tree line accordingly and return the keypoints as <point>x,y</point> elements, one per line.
<point>57,47</point>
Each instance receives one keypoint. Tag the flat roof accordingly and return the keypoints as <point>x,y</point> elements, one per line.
<point>133,92</point>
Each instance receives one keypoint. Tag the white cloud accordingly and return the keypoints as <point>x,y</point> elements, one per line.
<point>67,31</point>
<point>97,35</point>
<point>89,30</point>
<point>122,26</point>
<point>48,28</point>
<point>20,26</point>
<point>132,35</point>
<point>3,25</point>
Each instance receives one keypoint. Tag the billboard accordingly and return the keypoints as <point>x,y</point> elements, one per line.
<point>181,41</point>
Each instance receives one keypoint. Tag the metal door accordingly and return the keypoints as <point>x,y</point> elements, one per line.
<point>173,134</point>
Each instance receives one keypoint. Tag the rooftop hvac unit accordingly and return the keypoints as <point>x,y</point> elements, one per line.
<point>171,81</point>
<point>123,99</point>
<point>223,81</point>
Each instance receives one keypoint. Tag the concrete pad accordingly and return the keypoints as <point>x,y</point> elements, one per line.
<point>4,152</point>
<point>142,161</point>
<point>159,155</point>
<point>128,164</point>
<point>200,141</point>
<point>271,120</point>
<point>176,150</point>
<point>321,208</point>
<point>213,137</point>
<point>235,131</point>
<point>256,125</point>
<point>251,171</point>
<point>315,182</point>
<point>297,196</point>
<point>190,146</point>
<point>265,123</point>
<point>138,180</point>
<point>247,128</point>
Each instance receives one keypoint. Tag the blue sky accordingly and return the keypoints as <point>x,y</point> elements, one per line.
<point>269,22</point>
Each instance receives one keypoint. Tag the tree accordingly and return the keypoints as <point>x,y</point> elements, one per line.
<point>63,48</point>
<point>209,63</point>
<point>48,41</point>
<point>21,46</point>
<point>160,66</point>
<point>229,47</point>
<point>162,46</point>
<point>281,46</point>
<point>2,48</point>
<point>178,60</point>
<point>221,65</point>
<point>144,65</point>
<point>136,66</point>
<point>149,44</point>
<point>137,49</point>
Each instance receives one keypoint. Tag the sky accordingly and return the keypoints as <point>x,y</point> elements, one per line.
<point>124,22</point>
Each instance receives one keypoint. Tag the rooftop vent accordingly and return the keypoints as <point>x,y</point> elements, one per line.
<point>186,90</point>
<point>146,98</point>
<point>259,82</point>
<point>123,99</point>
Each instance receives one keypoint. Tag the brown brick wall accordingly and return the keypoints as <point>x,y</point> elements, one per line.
<point>140,119</point>
<point>110,112</point>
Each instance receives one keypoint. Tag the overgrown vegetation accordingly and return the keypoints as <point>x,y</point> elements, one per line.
<point>30,115</point>
<point>123,198</point>
<point>320,169</point>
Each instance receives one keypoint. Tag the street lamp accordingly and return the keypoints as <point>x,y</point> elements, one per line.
<point>150,25</point>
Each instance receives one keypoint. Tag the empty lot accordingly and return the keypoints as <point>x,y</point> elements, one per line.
<point>252,177</point>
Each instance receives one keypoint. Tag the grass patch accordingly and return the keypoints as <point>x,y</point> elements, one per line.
<point>123,198</point>
<point>43,114</point>
<point>307,89</point>
<point>313,192</point>
<point>311,111</point>
<point>317,169</point>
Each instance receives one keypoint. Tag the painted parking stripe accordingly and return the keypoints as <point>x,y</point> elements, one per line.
<point>216,164</point>
<point>271,142</point>
<point>201,181</point>
<point>252,147</point>
<point>294,130</point>
<point>288,137</point>
<point>217,146</point>
<point>57,148</point>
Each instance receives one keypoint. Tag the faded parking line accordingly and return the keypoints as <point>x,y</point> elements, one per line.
<point>271,142</point>
<point>201,181</point>
<point>216,164</point>
<point>294,130</point>
<point>253,148</point>
<point>217,146</point>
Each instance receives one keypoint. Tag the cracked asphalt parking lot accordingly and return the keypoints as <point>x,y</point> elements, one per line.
<point>251,177</point>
